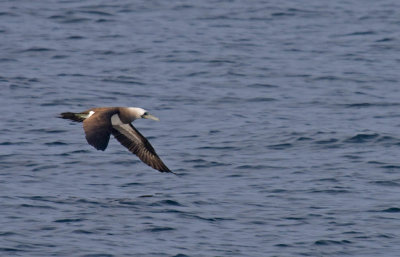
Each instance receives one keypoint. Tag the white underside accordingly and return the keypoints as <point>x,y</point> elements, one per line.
<point>115,120</point>
<point>123,128</point>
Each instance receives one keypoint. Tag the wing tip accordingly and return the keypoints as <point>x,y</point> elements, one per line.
<point>164,169</point>
<point>168,171</point>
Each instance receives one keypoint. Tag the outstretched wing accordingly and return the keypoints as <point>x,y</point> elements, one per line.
<point>131,138</point>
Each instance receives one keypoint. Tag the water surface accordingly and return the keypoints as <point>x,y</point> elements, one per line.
<point>281,119</point>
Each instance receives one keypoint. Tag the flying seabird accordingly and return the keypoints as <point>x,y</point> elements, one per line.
<point>99,123</point>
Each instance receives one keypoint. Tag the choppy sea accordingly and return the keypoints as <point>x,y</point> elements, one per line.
<point>281,119</point>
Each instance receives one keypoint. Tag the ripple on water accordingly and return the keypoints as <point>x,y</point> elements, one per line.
<point>332,242</point>
<point>282,146</point>
<point>68,220</point>
<point>392,210</point>
<point>362,138</point>
<point>98,255</point>
<point>388,183</point>
<point>300,125</point>
<point>166,202</point>
<point>155,229</point>
<point>10,250</point>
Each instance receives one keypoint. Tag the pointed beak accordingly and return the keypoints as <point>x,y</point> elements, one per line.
<point>150,117</point>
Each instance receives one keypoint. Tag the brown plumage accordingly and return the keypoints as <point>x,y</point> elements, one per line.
<point>99,123</point>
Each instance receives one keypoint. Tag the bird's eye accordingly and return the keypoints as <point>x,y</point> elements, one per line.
<point>146,113</point>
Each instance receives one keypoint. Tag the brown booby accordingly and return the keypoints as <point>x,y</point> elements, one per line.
<point>99,123</point>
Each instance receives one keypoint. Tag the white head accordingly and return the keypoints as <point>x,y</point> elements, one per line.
<point>137,113</point>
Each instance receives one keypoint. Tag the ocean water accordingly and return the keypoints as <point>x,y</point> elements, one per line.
<point>281,119</point>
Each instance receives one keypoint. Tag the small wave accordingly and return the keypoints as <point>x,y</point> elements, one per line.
<point>45,167</point>
<point>7,60</point>
<point>195,160</point>
<point>75,37</point>
<point>329,78</point>
<point>351,157</point>
<point>392,210</point>
<point>332,180</point>
<point>39,198</point>
<point>304,139</point>
<point>198,217</point>
<point>332,242</point>
<point>55,143</point>
<point>7,234</point>
<point>104,20</point>
<point>283,245</point>
<point>361,33</point>
<point>106,52</point>
<point>100,13</point>
<point>210,164</point>
<point>194,74</point>
<point>166,202</point>
<point>68,220</point>
<point>51,131</point>
<point>280,146</point>
<point>362,138</point>
<point>13,143</point>
<point>98,255</point>
<point>366,105</point>
<point>79,151</point>
<point>388,139</point>
<point>261,99</point>
<point>37,49</point>
<point>262,85</point>
<point>391,167</point>
<point>385,236</point>
<point>278,14</point>
<point>295,218</point>
<point>131,184</point>
<point>9,249</point>
<point>180,255</point>
<point>82,231</point>
<point>123,80</point>
<point>71,75</point>
<point>8,14</point>
<point>386,39</point>
<point>129,202</point>
<point>36,206</point>
<point>159,229</point>
<point>332,191</point>
<point>386,183</point>
<point>327,141</point>
<point>217,148</point>
<point>59,56</point>
<point>251,167</point>
<point>74,20</point>
<point>145,196</point>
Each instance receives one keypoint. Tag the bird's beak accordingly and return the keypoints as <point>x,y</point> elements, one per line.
<point>151,117</point>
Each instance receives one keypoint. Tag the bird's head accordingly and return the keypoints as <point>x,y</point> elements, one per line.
<point>139,113</point>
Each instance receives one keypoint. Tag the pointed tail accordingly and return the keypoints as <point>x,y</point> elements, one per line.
<point>78,117</point>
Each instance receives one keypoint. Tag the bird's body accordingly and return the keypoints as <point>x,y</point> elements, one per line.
<point>99,123</point>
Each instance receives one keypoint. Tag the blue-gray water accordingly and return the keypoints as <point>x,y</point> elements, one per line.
<point>281,118</point>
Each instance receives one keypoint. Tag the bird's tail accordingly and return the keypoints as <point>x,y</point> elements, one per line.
<point>78,117</point>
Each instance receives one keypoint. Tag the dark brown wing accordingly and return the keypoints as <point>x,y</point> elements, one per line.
<point>131,138</point>
<point>98,128</point>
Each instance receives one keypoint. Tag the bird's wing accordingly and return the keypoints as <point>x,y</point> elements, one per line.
<point>131,138</point>
<point>98,128</point>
